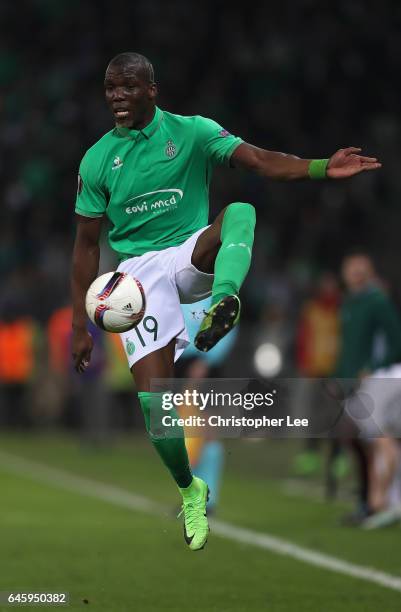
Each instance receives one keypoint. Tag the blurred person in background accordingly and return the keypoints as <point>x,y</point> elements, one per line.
<point>317,344</point>
<point>118,381</point>
<point>370,342</point>
<point>205,452</point>
<point>86,405</point>
<point>20,348</point>
<point>318,329</point>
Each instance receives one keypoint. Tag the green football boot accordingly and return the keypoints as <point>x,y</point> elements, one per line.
<point>218,321</point>
<point>196,526</point>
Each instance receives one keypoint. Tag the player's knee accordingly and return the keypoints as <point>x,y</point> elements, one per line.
<point>241,212</point>
<point>239,218</point>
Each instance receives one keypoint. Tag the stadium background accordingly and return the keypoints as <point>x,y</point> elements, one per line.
<point>303,77</point>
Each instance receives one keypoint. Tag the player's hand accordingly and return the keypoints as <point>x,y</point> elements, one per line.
<point>82,345</point>
<point>348,162</point>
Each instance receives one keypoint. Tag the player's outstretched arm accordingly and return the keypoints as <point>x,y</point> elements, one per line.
<point>281,166</point>
<point>85,266</point>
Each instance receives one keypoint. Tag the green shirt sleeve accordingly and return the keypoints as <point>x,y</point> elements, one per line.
<point>91,198</point>
<point>216,143</point>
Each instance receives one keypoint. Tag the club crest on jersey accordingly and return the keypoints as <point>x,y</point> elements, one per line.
<point>130,347</point>
<point>117,163</point>
<point>170,149</point>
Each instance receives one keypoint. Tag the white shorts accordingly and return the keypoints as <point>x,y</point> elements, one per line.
<point>376,406</point>
<point>168,278</point>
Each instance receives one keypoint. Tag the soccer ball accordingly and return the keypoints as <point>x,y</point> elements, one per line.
<point>115,302</point>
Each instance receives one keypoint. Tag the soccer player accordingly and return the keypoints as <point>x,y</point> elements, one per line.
<point>150,176</point>
<point>370,352</point>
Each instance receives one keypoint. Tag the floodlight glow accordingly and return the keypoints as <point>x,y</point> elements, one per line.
<point>268,360</point>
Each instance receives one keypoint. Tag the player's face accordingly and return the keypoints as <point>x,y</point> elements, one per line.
<point>130,96</point>
<point>357,272</point>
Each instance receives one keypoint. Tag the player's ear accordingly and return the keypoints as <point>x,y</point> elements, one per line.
<point>152,91</point>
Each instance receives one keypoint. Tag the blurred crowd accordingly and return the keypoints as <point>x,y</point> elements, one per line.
<point>304,77</point>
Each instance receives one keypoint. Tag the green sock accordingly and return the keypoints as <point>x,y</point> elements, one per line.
<point>191,491</point>
<point>234,257</point>
<point>169,442</point>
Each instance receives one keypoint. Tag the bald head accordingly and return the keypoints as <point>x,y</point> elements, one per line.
<point>130,90</point>
<point>133,61</point>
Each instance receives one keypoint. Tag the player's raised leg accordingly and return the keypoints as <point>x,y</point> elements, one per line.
<point>169,442</point>
<point>225,248</point>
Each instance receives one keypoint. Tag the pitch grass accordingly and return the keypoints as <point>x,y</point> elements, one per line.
<point>119,560</point>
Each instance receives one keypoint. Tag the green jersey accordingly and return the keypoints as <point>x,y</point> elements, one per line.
<point>370,334</point>
<point>153,184</point>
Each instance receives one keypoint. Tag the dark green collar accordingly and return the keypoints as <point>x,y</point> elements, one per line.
<point>147,131</point>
